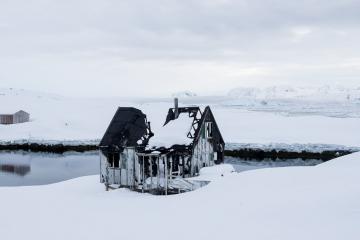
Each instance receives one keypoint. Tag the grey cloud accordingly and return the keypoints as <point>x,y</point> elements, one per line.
<point>60,35</point>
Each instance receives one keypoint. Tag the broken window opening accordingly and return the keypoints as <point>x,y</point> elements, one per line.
<point>208,130</point>
<point>113,160</point>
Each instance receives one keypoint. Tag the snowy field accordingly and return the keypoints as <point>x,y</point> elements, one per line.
<point>321,202</point>
<point>269,117</point>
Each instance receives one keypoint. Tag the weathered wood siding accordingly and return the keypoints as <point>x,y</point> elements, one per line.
<point>18,117</point>
<point>203,154</point>
<point>6,119</point>
<point>124,175</point>
<point>103,168</point>
<point>127,164</point>
<point>21,117</point>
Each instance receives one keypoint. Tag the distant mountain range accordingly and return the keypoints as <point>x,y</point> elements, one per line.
<point>323,93</point>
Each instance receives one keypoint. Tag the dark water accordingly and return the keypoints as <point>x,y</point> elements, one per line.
<point>24,168</point>
<point>241,165</point>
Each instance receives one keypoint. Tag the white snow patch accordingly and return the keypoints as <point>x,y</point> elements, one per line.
<point>321,202</point>
<point>175,132</point>
<point>215,172</point>
<point>57,119</point>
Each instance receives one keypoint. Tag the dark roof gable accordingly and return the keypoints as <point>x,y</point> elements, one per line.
<point>208,116</point>
<point>129,125</point>
<point>22,112</point>
<point>126,128</point>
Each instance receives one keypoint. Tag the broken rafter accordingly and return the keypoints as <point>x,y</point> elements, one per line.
<point>195,123</point>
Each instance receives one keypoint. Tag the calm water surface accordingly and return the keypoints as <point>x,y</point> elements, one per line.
<point>24,168</point>
<point>241,165</point>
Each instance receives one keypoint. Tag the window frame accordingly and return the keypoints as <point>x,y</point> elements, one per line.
<point>209,130</point>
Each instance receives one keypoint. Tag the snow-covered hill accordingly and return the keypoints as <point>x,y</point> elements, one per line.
<point>297,203</point>
<point>324,101</point>
<point>57,119</point>
<point>184,94</point>
<point>323,93</point>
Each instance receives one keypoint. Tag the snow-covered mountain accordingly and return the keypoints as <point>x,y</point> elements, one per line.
<point>184,94</point>
<point>323,93</point>
<point>332,101</point>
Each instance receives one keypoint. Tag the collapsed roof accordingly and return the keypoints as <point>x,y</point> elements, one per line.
<point>129,127</point>
<point>174,132</point>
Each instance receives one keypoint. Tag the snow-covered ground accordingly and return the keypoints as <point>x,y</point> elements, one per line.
<point>276,116</point>
<point>321,202</point>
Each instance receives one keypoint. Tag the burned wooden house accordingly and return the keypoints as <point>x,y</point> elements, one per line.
<point>130,155</point>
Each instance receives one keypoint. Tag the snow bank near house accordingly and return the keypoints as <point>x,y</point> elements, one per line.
<point>215,172</point>
<point>321,202</point>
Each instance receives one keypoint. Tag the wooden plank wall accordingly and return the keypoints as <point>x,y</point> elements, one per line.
<point>6,119</point>
<point>203,155</point>
<point>21,117</point>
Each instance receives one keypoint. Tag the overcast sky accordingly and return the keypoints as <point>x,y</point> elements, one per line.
<point>155,48</point>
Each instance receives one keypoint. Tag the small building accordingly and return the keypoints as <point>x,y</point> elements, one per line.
<point>132,156</point>
<point>18,117</point>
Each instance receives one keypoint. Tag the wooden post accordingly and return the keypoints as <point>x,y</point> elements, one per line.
<point>158,172</point>
<point>171,165</point>
<point>143,173</point>
<point>113,165</point>
<point>100,165</point>
<point>120,164</point>
<point>151,173</point>
<point>176,106</point>
<point>166,177</point>
<point>134,170</point>
<point>183,165</point>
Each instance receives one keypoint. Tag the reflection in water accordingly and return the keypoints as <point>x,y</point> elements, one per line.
<point>20,170</point>
<point>26,168</point>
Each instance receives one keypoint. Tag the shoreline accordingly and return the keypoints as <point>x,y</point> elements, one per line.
<point>244,151</point>
<point>259,155</point>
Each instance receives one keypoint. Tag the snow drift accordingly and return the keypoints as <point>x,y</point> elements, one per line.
<point>321,202</point>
